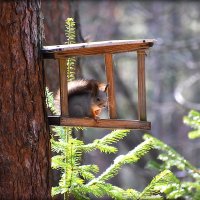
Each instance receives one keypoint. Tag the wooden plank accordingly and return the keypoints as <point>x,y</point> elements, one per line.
<point>111,86</point>
<point>94,48</point>
<point>105,123</point>
<point>141,86</point>
<point>101,123</point>
<point>63,87</point>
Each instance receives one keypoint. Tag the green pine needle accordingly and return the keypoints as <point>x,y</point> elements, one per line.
<point>159,184</point>
<point>193,120</point>
<point>169,156</point>
<point>70,33</point>
<point>104,144</point>
<point>50,101</point>
<point>131,157</point>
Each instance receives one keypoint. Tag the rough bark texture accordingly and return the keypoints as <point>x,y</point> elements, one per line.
<point>55,13</point>
<point>24,137</point>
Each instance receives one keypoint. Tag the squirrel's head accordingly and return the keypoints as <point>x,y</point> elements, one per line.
<point>101,99</point>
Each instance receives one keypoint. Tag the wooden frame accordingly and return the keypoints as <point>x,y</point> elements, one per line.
<point>107,48</point>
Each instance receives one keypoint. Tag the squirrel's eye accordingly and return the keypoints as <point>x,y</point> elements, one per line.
<point>98,99</point>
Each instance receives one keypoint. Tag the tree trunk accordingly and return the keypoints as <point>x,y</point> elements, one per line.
<point>24,135</point>
<point>55,13</point>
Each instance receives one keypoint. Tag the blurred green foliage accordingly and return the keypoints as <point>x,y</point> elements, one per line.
<point>193,120</point>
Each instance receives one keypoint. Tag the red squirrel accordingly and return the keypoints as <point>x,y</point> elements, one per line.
<point>86,98</point>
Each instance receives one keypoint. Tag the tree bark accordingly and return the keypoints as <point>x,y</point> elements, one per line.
<point>55,13</point>
<point>24,135</point>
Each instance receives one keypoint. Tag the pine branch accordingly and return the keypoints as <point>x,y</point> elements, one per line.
<point>56,190</point>
<point>50,101</point>
<point>172,159</point>
<point>104,143</point>
<point>70,31</point>
<point>191,189</point>
<point>193,120</point>
<point>69,149</point>
<point>86,171</point>
<point>119,194</point>
<point>102,189</point>
<point>131,157</point>
<point>159,185</point>
<point>169,156</point>
<point>68,160</point>
<point>71,39</point>
<point>114,136</point>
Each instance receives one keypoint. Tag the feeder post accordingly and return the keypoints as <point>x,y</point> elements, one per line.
<point>111,86</point>
<point>141,86</point>
<point>63,87</point>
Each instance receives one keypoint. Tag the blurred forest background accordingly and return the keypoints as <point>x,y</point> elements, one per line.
<point>172,69</point>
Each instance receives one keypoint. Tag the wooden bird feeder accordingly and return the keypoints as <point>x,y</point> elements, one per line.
<point>107,49</point>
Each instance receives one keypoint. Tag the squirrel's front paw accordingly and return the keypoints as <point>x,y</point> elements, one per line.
<point>96,118</point>
<point>95,113</point>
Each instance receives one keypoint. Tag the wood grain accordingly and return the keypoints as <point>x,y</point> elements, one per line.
<point>111,86</point>
<point>94,48</point>
<point>63,87</point>
<point>25,156</point>
<point>101,123</point>
<point>141,86</point>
